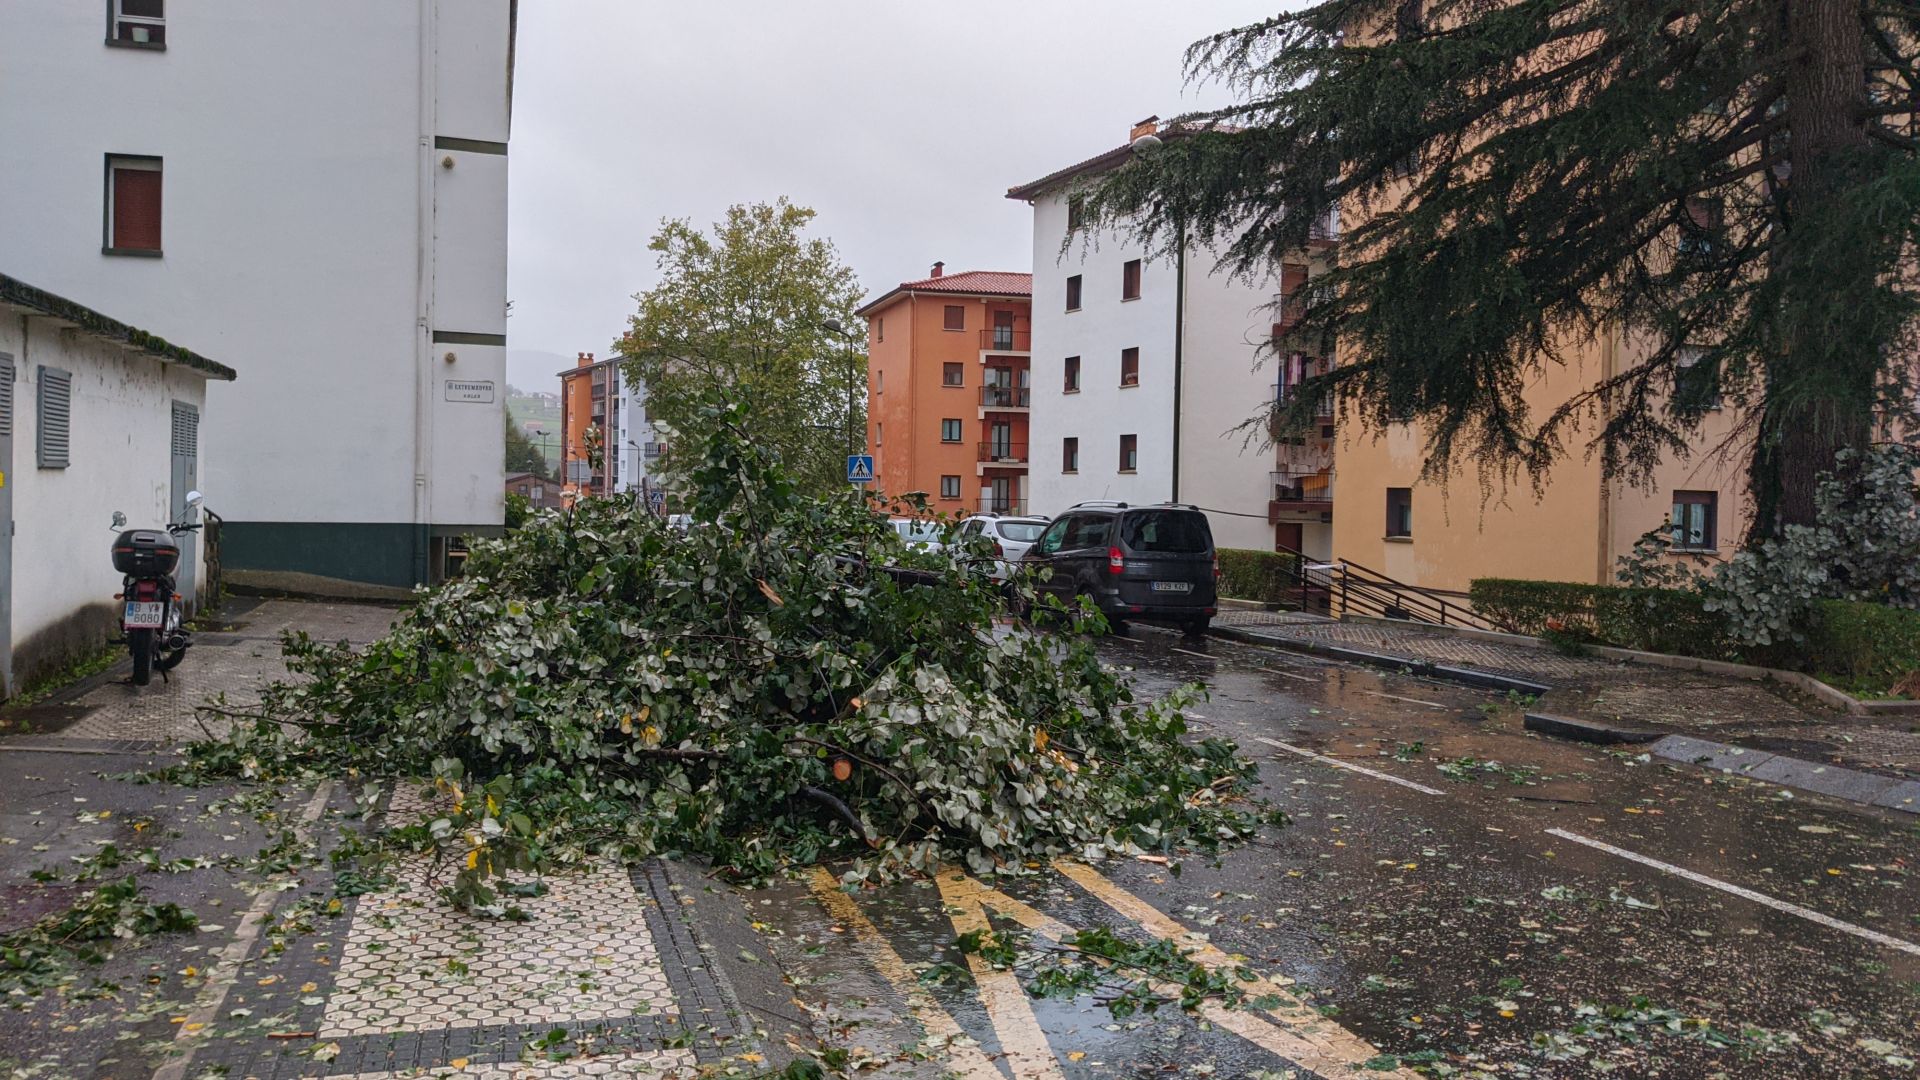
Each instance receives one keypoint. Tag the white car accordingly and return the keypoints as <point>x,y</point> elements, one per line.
<point>924,535</point>
<point>1011,537</point>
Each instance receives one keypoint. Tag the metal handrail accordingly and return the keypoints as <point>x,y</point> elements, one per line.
<point>1368,591</point>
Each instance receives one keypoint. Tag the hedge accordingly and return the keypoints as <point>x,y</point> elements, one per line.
<point>1265,576</point>
<point>1868,646</point>
<point>1656,620</point>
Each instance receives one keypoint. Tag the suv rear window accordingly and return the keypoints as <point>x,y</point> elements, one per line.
<point>1022,532</point>
<point>1177,532</point>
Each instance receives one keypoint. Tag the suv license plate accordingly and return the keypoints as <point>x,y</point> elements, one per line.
<point>1173,586</point>
<point>144,614</point>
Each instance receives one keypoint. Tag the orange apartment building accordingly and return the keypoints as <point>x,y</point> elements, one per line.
<point>588,391</point>
<point>949,376</point>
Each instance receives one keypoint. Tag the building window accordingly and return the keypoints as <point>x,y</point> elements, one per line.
<point>1696,380</point>
<point>53,418</point>
<point>879,384</point>
<point>879,329</point>
<point>1129,453</point>
<point>1073,293</point>
<point>1130,367</point>
<point>1076,212</point>
<point>1130,280</point>
<point>949,487</point>
<point>1072,382</point>
<point>1701,226</point>
<point>879,429</point>
<point>1070,455</point>
<point>953,374</point>
<point>949,431</point>
<point>1400,512</point>
<point>1696,519</point>
<point>137,22</point>
<point>956,317</point>
<point>133,205</point>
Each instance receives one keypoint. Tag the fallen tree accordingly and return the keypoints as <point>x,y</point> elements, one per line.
<point>785,682</point>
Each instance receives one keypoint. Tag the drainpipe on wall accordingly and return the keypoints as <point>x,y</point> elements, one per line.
<point>423,283</point>
<point>1609,363</point>
<point>1179,342</point>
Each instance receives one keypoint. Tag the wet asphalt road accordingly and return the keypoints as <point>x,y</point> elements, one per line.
<point>1448,926</point>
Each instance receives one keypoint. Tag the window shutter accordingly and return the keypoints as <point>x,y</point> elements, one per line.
<point>6,397</point>
<point>186,430</point>
<point>136,209</point>
<point>55,417</point>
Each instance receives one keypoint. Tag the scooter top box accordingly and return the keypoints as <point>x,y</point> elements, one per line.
<point>145,553</point>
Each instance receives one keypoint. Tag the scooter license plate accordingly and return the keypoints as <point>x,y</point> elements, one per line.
<point>144,614</point>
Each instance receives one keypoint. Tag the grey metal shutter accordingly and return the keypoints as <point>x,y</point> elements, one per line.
<point>186,430</point>
<point>6,397</point>
<point>55,418</point>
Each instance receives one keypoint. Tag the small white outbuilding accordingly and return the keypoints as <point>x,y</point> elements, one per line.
<point>95,416</point>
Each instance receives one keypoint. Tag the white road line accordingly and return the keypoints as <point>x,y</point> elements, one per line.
<point>1338,764</point>
<point>1414,700</point>
<point>1190,652</point>
<point>1748,894</point>
<point>225,969</point>
<point>1290,675</point>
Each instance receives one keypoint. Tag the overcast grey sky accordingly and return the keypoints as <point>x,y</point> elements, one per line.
<point>903,124</point>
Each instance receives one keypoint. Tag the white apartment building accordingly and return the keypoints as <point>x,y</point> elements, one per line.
<point>1144,369</point>
<point>315,193</point>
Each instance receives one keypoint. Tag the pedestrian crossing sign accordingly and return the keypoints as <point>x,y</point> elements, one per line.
<point>859,468</point>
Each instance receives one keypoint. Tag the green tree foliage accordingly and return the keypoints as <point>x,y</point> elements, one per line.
<point>522,455</point>
<point>741,310</point>
<point>785,682</point>
<point>1519,175</point>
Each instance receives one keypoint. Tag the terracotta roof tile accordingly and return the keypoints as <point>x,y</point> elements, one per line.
<point>966,283</point>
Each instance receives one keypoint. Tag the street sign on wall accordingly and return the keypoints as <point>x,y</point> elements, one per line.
<point>479,392</point>
<point>859,468</point>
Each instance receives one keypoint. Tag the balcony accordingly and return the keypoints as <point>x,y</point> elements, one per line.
<point>1005,339</point>
<point>1005,397</point>
<point>1300,493</point>
<point>1008,507</point>
<point>1003,453</point>
<point>1323,412</point>
<point>1310,455</point>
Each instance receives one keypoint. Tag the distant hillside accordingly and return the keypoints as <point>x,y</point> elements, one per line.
<point>541,411</point>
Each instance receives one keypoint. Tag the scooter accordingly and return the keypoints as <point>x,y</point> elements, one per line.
<point>150,621</point>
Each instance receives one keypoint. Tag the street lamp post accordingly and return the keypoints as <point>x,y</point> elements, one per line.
<point>839,330</point>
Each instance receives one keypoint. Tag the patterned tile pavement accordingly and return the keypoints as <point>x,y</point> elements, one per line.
<point>412,962</point>
<point>1719,707</point>
<point>603,978</point>
<point>235,662</point>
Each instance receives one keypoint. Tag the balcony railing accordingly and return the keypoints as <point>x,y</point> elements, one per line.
<point>1296,491</point>
<point>1322,413</point>
<point>1005,453</point>
<point>1006,397</point>
<point>1006,339</point>
<point>1008,507</point>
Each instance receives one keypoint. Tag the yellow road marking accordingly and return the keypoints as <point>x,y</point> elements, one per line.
<point>1298,1032</point>
<point>964,1056</point>
<point>1025,1045</point>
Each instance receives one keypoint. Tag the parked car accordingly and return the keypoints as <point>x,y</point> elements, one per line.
<point>1011,537</point>
<point>924,535</point>
<point>1151,564</point>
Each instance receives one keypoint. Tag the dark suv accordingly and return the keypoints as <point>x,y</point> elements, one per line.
<point>1151,564</point>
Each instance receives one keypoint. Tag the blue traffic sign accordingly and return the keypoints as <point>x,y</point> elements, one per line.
<point>859,468</point>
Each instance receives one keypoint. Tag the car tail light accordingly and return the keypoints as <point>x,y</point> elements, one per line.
<point>1116,561</point>
<point>1216,564</point>
<point>998,551</point>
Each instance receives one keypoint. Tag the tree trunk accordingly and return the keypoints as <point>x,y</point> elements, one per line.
<point>1817,401</point>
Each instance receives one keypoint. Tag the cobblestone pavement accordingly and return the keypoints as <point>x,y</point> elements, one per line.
<point>235,660</point>
<point>1750,711</point>
<point>608,972</point>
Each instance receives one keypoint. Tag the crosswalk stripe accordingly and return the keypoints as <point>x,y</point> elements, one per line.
<point>1297,1031</point>
<point>964,1057</point>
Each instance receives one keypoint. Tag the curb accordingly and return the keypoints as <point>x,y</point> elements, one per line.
<point>753,990</point>
<point>1849,785</point>
<point>1485,680</point>
<point>1588,731</point>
